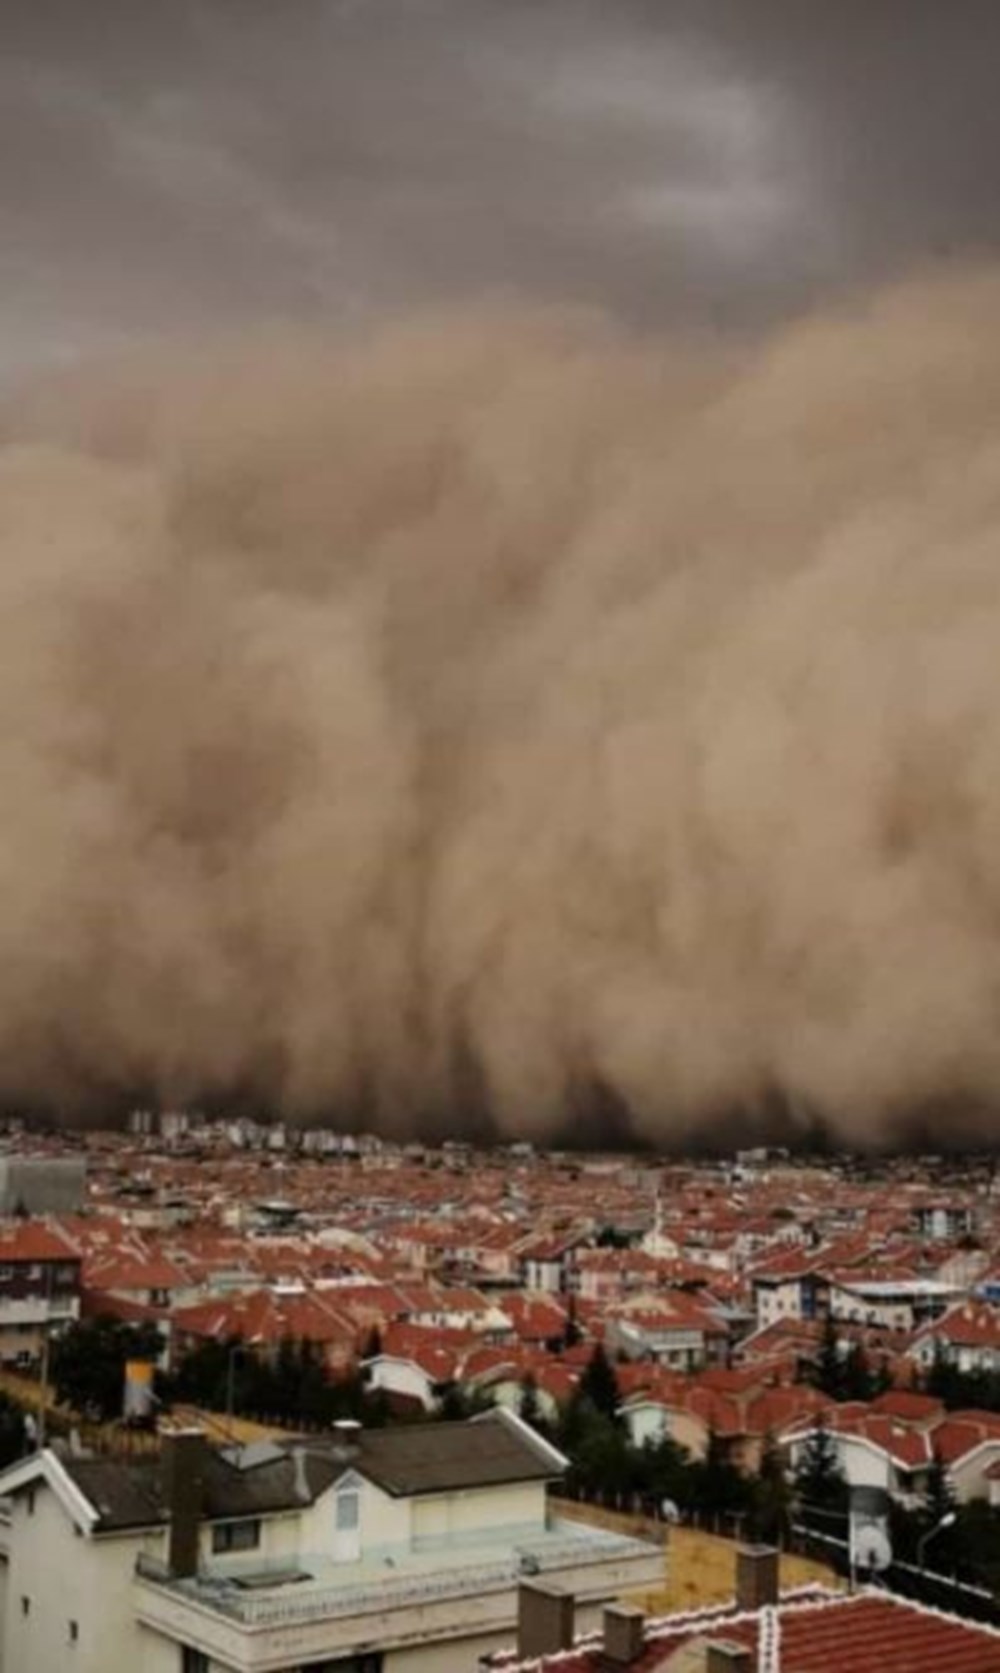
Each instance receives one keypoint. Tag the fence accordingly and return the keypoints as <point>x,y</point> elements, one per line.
<point>940,1591</point>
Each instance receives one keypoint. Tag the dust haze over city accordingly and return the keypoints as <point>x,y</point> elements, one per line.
<point>499,508</point>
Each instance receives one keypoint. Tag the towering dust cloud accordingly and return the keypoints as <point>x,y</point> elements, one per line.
<point>505,708</point>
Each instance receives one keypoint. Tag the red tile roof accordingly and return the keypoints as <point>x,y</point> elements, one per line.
<point>871,1632</point>
<point>30,1240</point>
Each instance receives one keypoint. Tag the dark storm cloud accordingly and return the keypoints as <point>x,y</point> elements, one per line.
<point>175,164</point>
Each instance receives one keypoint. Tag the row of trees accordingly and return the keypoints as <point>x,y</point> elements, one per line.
<point>293,1386</point>
<point>845,1371</point>
<point>962,1390</point>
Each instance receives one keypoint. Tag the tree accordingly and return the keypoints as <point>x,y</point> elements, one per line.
<point>601,1464</point>
<point>87,1363</point>
<point>13,1435</point>
<point>857,1382</point>
<point>598,1385</point>
<point>662,1474</point>
<point>771,1496</point>
<point>457,1402</point>
<point>829,1365</point>
<point>719,1488</point>
<point>820,1487</point>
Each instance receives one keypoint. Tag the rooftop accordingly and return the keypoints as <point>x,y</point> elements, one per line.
<point>869,1632</point>
<point>409,1460</point>
<point>316,1587</point>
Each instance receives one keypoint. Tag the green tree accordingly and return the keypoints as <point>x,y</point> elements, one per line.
<point>598,1385</point>
<point>829,1364</point>
<point>771,1496</point>
<point>87,1363</point>
<point>857,1382</point>
<point>719,1488</point>
<point>602,1462</point>
<point>820,1488</point>
<point>662,1474</point>
<point>13,1438</point>
<point>457,1403</point>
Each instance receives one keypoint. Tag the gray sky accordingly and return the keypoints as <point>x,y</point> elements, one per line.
<point>173,164</point>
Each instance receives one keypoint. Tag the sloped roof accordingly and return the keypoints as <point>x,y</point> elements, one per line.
<point>440,1457</point>
<point>32,1240</point>
<point>826,1633</point>
<point>490,1451</point>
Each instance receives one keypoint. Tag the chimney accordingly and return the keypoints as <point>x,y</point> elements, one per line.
<point>183,1466</point>
<point>725,1657</point>
<point>624,1636</point>
<point>544,1621</point>
<point>346,1439</point>
<point>756,1577</point>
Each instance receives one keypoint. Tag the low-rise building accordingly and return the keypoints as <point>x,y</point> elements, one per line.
<point>382,1550</point>
<point>39,1289</point>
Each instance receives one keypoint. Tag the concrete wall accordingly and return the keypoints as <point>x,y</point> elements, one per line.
<point>66,1578</point>
<point>969,1474</point>
<point>386,1523</point>
<point>444,1516</point>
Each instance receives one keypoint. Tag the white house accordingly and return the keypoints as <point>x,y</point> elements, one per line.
<point>892,1304</point>
<point>966,1337</point>
<point>396,1550</point>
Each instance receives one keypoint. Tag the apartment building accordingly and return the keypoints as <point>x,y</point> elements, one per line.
<point>39,1288</point>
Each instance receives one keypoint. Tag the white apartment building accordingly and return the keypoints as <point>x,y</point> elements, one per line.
<point>397,1550</point>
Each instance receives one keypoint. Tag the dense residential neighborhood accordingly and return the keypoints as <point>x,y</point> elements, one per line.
<point>741,1344</point>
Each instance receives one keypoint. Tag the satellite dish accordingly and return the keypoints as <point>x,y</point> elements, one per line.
<point>870,1549</point>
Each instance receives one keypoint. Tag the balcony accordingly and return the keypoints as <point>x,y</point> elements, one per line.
<point>313,1608</point>
<point>37,1310</point>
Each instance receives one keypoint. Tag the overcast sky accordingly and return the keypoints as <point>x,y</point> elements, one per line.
<point>170,164</point>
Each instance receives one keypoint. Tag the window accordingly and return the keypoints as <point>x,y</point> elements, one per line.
<point>30,1501</point>
<point>347,1512</point>
<point>193,1661</point>
<point>74,1631</point>
<point>236,1536</point>
<point>35,1271</point>
<point>26,1606</point>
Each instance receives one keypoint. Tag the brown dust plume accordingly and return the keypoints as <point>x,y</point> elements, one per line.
<point>504,716</point>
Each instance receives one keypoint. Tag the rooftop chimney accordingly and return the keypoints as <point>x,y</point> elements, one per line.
<point>725,1657</point>
<point>346,1439</point>
<point>183,1464</point>
<point>544,1620</point>
<point>624,1636</point>
<point>756,1577</point>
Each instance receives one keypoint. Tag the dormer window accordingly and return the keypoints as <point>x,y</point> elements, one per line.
<point>347,1525</point>
<point>347,1510</point>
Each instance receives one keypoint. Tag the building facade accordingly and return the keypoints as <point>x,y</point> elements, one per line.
<point>387,1551</point>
